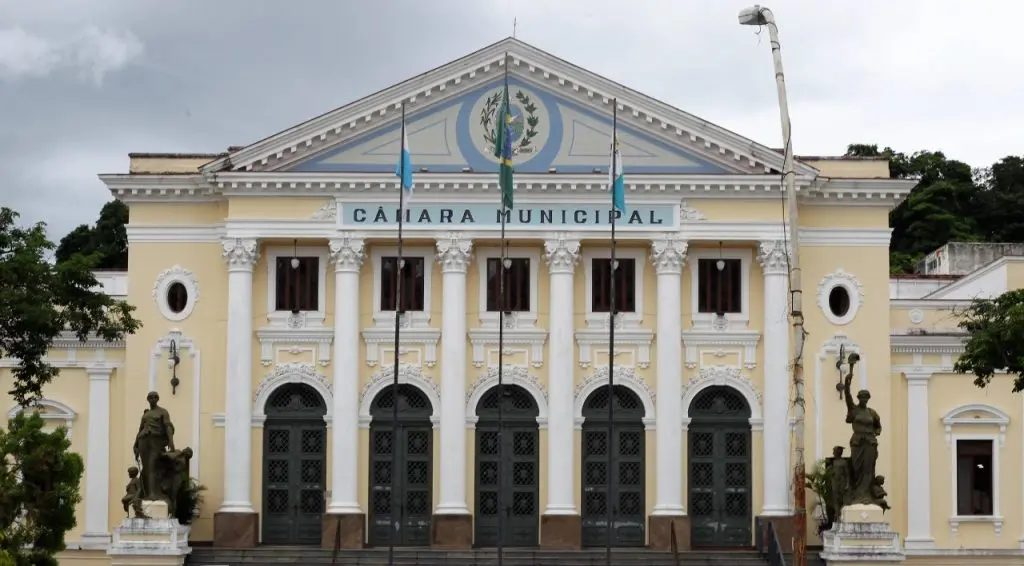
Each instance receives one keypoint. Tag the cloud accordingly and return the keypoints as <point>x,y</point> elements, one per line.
<point>91,54</point>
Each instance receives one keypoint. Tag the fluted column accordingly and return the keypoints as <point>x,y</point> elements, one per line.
<point>562,256</point>
<point>453,254</point>
<point>347,255</point>
<point>772,255</point>
<point>919,494</point>
<point>241,256</point>
<point>97,461</point>
<point>668,256</point>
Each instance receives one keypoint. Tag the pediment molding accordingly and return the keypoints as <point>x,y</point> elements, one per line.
<point>527,63</point>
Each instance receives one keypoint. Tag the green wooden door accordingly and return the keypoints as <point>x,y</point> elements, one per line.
<point>400,503</point>
<point>507,469</point>
<point>720,469</point>
<point>617,490</point>
<point>294,466</point>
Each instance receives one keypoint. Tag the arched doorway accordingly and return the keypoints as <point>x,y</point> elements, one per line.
<point>622,486</point>
<point>294,465</point>
<point>404,445</point>
<point>719,469</point>
<point>513,470</point>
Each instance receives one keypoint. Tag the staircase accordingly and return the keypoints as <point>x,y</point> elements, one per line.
<point>272,556</point>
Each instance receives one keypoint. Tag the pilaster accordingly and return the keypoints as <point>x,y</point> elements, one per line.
<point>236,522</point>
<point>668,255</point>
<point>97,462</point>
<point>919,500</point>
<point>773,255</point>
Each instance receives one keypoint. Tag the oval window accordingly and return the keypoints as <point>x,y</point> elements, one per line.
<point>177,297</point>
<point>839,301</point>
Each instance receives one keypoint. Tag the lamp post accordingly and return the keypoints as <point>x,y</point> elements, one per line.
<point>760,16</point>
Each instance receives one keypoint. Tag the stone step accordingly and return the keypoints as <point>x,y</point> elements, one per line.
<point>268,556</point>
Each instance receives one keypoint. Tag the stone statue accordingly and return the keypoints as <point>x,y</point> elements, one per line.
<point>133,493</point>
<point>879,494</point>
<point>174,475</point>
<point>155,436</point>
<point>867,425</point>
<point>840,468</point>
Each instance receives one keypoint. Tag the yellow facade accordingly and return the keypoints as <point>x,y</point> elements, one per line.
<point>280,198</point>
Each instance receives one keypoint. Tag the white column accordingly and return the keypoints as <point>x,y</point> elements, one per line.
<point>241,256</point>
<point>347,255</point>
<point>669,256</point>
<point>772,255</point>
<point>919,493</point>
<point>562,255</point>
<point>97,461</point>
<point>453,253</point>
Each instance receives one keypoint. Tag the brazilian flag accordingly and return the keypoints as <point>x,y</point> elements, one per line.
<point>503,149</point>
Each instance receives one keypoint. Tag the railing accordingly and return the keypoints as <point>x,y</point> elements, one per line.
<point>771,550</point>
<point>673,543</point>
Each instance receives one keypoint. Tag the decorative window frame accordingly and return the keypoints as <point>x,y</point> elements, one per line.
<point>54,411</point>
<point>383,318</point>
<point>741,342</point>
<point>706,320</point>
<point>593,341</point>
<point>997,417</point>
<point>626,319</point>
<point>168,277</point>
<point>523,319</point>
<point>625,376</point>
<point>306,318</point>
<point>996,518</point>
<point>846,280</point>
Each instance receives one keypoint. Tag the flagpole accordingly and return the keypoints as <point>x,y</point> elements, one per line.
<point>501,334</point>
<point>613,268</point>
<point>400,268</point>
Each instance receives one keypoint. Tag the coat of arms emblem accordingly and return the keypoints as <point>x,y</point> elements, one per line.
<point>524,125</point>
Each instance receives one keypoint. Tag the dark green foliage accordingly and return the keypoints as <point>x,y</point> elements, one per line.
<point>39,300</point>
<point>39,489</point>
<point>107,240</point>
<point>819,481</point>
<point>190,500</point>
<point>996,339</point>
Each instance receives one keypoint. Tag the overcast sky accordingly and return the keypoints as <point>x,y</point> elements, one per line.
<point>85,82</point>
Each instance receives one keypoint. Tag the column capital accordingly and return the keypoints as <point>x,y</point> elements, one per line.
<point>918,377</point>
<point>99,373</point>
<point>241,254</point>
<point>347,252</point>
<point>668,254</point>
<point>773,255</point>
<point>453,253</point>
<point>562,254</point>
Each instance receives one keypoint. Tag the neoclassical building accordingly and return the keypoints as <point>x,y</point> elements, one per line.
<point>270,273</point>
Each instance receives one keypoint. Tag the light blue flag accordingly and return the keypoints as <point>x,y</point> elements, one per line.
<point>617,181</point>
<point>404,169</point>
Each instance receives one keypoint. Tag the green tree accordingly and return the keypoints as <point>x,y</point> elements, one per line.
<point>1002,197</point>
<point>995,328</point>
<point>39,489</point>
<point>40,300</point>
<point>108,239</point>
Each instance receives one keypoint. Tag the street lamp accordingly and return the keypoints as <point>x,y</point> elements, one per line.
<point>761,16</point>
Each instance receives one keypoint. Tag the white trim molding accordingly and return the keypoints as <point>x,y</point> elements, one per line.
<point>996,518</point>
<point>707,321</point>
<point>413,319</point>
<point>623,376</point>
<point>919,457</point>
<point>381,339</point>
<point>826,358</point>
<point>854,290</point>
<point>949,344</point>
<point>162,285</point>
<point>523,319</point>
<point>407,374</point>
<point>625,319</point>
<point>526,341</point>
<point>511,375</point>
<point>593,345</point>
<point>285,319</point>
<point>728,376</point>
<point>314,341</point>
<point>720,344</point>
<point>993,416</point>
<point>284,374</point>
<point>51,411</point>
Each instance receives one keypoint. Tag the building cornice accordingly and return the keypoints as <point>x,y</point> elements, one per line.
<point>951,343</point>
<point>938,304</point>
<point>486,64</point>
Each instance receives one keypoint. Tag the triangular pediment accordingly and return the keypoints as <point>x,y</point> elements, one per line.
<point>564,125</point>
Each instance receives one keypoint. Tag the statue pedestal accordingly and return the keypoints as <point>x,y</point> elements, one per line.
<point>861,535</point>
<point>158,540</point>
